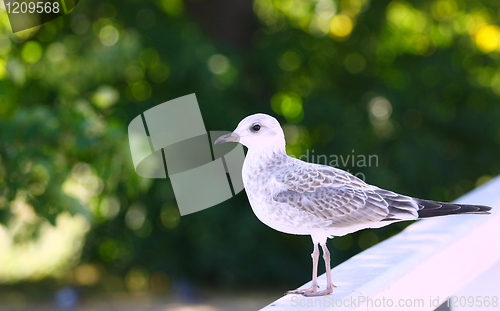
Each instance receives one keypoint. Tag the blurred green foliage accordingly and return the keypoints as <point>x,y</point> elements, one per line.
<point>416,83</point>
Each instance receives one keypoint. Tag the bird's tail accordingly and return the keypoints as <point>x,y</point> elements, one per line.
<point>432,208</point>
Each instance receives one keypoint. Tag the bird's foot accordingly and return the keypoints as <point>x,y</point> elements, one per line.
<point>304,291</point>
<point>316,293</point>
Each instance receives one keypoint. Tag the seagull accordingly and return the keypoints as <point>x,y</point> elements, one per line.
<point>297,197</point>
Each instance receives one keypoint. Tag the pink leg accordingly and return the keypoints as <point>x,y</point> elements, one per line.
<point>329,284</point>
<point>314,285</point>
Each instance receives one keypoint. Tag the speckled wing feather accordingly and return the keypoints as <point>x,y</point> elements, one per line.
<point>306,177</point>
<point>339,199</point>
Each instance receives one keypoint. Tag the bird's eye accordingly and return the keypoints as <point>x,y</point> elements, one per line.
<point>256,127</point>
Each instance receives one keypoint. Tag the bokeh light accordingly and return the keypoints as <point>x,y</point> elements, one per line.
<point>109,35</point>
<point>32,52</point>
<point>487,38</point>
<point>341,26</point>
<point>289,105</point>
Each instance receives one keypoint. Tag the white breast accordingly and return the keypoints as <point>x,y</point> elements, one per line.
<point>261,186</point>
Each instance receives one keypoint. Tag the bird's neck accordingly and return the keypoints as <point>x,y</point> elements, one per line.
<point>266,156</point>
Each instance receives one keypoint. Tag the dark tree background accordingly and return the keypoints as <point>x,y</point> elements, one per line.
<point>416,83</point>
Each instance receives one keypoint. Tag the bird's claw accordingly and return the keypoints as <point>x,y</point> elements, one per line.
<point>312,291</point>
<point>303,291</point>
<point>324,292</point>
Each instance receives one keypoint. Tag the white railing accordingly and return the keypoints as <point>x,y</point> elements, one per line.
<point>419,268</point>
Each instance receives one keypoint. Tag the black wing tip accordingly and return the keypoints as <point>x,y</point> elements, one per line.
<point>480,209</point>
<point>484,208</point>
<point>430,208</point>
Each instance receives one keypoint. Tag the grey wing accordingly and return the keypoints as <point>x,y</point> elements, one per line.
<point>306,177</point>
<point>338,207</point>
<point>339,199</point>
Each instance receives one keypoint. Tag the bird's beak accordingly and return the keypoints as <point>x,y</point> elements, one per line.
<point>231,137</point>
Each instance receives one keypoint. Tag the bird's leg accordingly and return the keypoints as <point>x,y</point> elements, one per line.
<point>314,285</point>
<point>329,284</point>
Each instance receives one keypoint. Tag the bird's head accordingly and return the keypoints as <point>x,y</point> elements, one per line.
<point>258,131</point>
